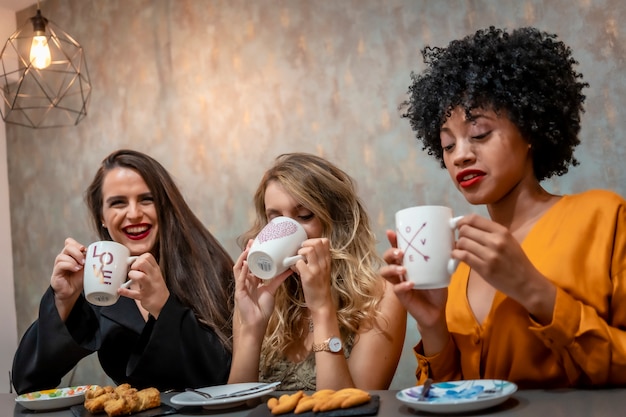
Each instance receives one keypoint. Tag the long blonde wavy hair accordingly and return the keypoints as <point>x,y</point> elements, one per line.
<point>356,287</point>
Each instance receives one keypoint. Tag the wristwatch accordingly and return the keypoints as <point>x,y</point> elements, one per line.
<point>332,344</point>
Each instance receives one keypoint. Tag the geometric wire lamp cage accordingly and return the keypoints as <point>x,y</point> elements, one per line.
<point>44,80</point>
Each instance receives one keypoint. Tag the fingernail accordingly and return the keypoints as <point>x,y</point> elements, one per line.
<point>396,252</point>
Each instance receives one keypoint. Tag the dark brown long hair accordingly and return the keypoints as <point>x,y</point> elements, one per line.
<point>197,269</point>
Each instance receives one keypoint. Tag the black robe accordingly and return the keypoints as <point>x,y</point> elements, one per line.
<point>173,352</point>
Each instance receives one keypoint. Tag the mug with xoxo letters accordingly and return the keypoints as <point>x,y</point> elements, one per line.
<point>275,248</point>
<point>426,236</point>
<point>106,270</point>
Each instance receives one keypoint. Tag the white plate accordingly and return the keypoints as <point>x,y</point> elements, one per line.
<point>51,399</point>
<point>459,396</point>
<point>191,399</point>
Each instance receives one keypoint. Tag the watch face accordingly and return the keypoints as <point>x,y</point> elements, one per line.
<point>334,344</point>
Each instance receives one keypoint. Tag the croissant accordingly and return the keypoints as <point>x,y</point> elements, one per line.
<point>121,400</point>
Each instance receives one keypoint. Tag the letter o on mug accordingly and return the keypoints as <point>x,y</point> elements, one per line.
<point>106,270</point>
<point>426,236</point>
<point>275,248</point>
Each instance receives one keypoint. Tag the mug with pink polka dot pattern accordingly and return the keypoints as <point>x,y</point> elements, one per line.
<point>275,248</point>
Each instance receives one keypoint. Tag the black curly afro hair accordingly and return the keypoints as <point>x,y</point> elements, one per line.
<point>527,74</point>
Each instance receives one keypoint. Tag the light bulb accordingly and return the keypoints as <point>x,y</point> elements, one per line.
<point>40,51</point>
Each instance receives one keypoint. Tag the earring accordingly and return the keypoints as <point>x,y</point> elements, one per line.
<point>103,226</point>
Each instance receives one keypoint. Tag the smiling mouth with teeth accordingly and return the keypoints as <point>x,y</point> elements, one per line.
<point>138,231</point>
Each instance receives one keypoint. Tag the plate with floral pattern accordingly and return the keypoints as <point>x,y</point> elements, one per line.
<point>458,396</point>
<point>55,398</point>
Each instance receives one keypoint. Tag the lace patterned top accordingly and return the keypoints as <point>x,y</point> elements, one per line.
<point>297,376</point>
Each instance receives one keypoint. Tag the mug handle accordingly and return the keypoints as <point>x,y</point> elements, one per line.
<point>453,221</point>
<point>129,261</point>
<point>292,260</point>
<point>453,263</point>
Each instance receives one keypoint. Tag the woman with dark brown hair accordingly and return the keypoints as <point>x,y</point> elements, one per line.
<point>172,326</point>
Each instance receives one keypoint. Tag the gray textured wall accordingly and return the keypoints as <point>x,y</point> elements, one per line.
<point>216,89</point>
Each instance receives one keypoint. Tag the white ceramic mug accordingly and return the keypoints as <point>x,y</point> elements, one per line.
<point>106,270</point>
<point>275,247</point>
<point>426,236</point>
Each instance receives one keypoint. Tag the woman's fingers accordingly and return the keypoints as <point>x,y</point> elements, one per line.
<point>147,278</point>
<point>276,282</point>
<point>317,259</point>
<point>66,263</point>
<point>392,237</point>
<point>237,268</point>
<point>74,250</point>
<point>393,256</point>
<point>393,273</point>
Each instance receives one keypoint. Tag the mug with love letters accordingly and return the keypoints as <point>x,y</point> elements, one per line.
<point>106,270</point>
<point>426,235</point>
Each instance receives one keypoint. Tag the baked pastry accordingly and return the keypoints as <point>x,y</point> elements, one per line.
<point>121,400</point>
<point>320,401</point>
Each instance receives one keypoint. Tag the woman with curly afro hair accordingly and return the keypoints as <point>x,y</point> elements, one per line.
<point>539,297</point>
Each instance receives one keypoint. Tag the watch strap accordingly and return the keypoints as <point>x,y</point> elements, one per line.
<point>325,345</point>
<point>321,347</point>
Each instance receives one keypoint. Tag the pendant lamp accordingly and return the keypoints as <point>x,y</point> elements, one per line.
<point>44,80</point>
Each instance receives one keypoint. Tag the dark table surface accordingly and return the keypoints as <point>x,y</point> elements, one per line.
<point>526,403</point>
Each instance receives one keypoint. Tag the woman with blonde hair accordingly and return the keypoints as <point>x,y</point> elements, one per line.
<point>325,321</point>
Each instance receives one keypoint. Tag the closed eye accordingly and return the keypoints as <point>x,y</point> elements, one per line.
<point>116,203</point>
<point>482,135</point>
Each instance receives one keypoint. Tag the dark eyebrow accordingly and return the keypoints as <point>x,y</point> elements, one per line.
<point>121,197</point>
<point>477,114</point>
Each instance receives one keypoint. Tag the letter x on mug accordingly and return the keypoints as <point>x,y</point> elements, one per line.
<point>275,248</point>
<point>106,270</point>
<point>426,236</point>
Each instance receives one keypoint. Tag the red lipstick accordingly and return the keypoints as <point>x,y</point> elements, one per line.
<point>137,231</point>
<point>469,177</point>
